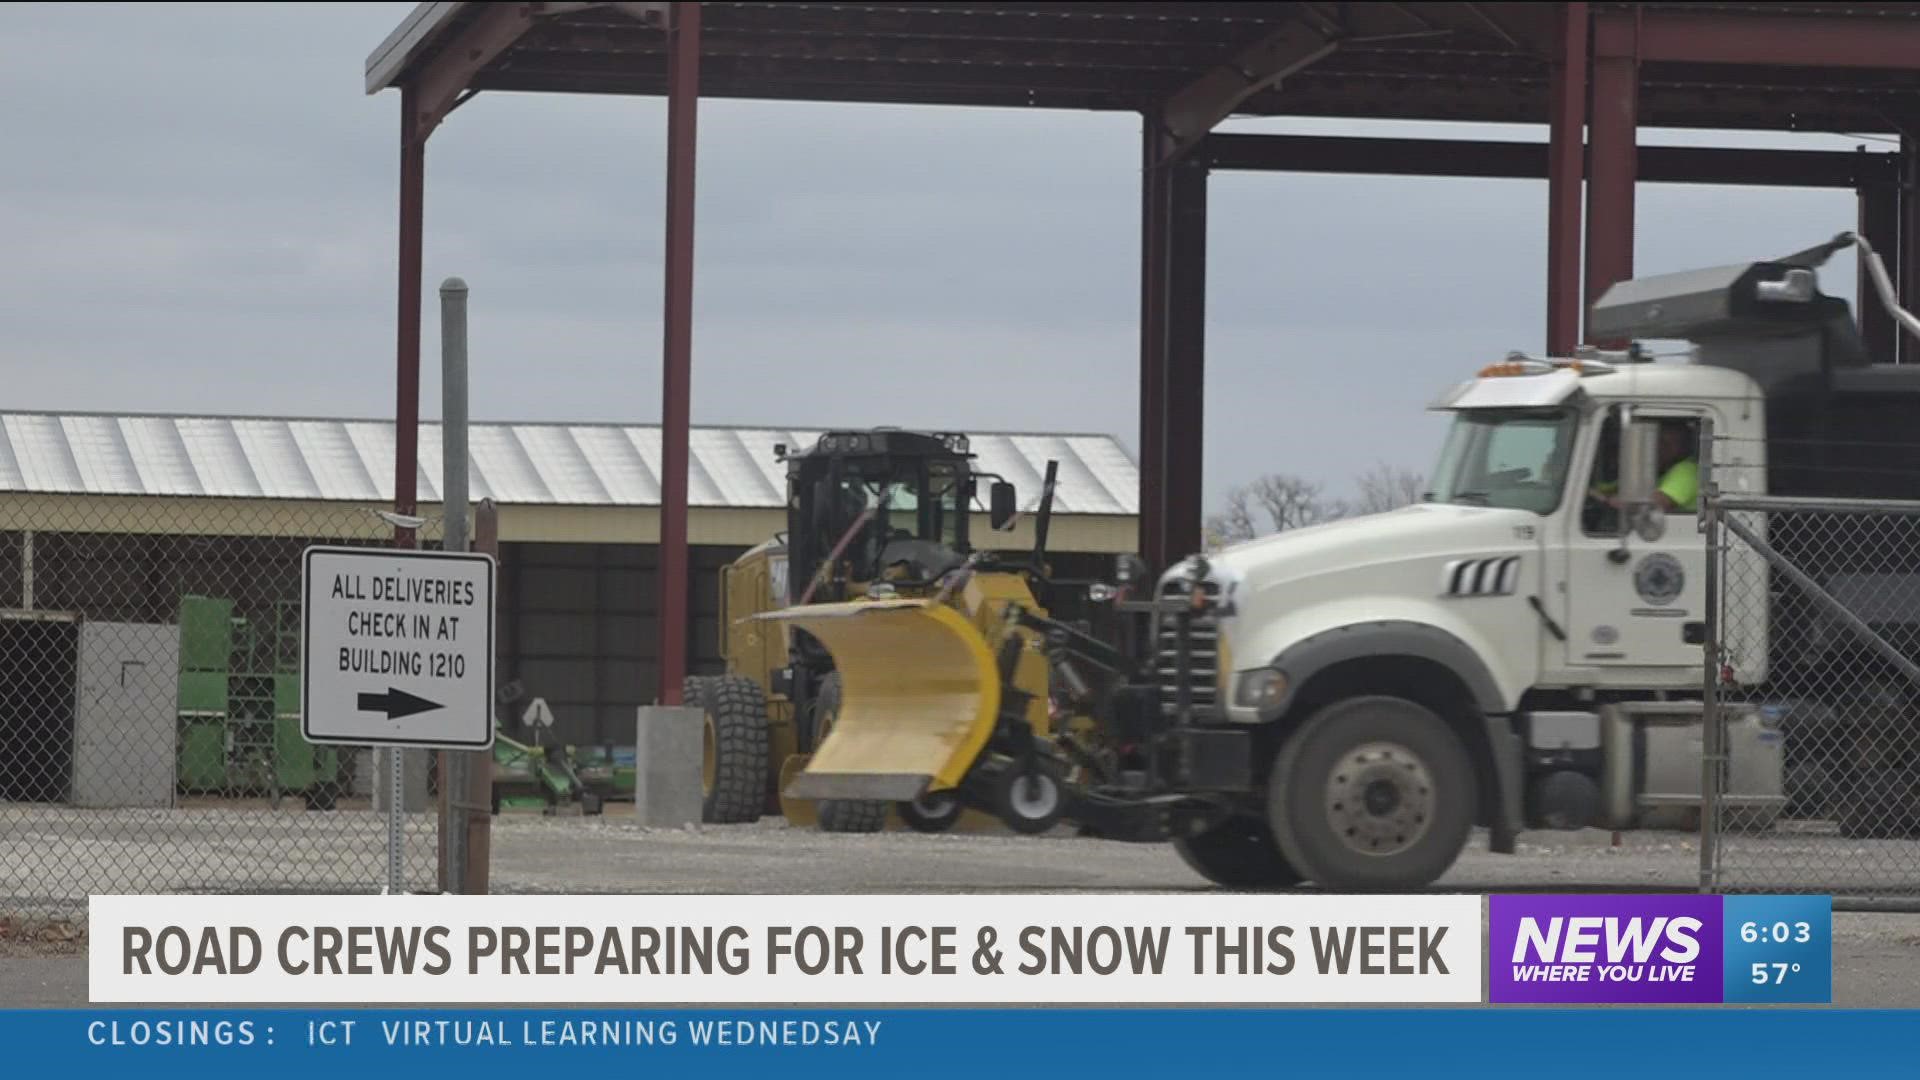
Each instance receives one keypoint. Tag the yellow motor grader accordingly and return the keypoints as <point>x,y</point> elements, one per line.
<point>874,518</point>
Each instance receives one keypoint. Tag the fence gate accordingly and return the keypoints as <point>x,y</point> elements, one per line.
<point>1812,738</point>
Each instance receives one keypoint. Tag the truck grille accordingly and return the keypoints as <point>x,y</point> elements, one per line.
<point>1203,654</point>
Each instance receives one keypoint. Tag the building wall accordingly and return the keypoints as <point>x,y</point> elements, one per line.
<point>579,628</point>
<point>577,622</point>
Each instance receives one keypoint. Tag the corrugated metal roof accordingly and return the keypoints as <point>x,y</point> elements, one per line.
<point>523,464</point>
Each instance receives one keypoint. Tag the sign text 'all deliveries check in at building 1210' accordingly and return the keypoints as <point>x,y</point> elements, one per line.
<point>397,648</point>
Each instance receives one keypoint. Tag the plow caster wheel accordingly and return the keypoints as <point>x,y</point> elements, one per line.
<point>932,812</point>
<point>1030,801</point>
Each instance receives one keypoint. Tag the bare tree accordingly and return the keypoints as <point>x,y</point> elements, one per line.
<point>1278,502</point>
<point>1233,524</point>
<point>1385,487</point>
<point>1271,504</point>
<point>1293,503</point>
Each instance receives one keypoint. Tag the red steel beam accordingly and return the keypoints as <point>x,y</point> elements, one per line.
<point>1760,40</point>
<point>449,73</point>
<point>1566,150</point>
<point>1611,171</point>
<point>406,408</point>
<point>1193,110</point>
<point>1718,165</point>
<point>683,94</point>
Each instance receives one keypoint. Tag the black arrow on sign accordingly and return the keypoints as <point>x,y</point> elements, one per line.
<point>396,704</point>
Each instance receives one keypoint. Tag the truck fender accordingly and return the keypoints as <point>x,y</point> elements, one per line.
<point>1497,754</point>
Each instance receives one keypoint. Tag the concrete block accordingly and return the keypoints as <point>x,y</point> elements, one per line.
<point>666,766</point>
<point>415,766</point>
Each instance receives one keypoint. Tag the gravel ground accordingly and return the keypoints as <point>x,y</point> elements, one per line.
<point>1876,954</point>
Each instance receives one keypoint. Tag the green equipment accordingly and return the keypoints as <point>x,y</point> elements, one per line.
<point>239,708</point>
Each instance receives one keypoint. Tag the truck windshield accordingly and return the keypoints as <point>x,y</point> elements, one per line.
<point>1515,459</point>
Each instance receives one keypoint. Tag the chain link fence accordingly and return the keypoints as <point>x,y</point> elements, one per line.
<point>1815,694</point>
<point>149,709</point>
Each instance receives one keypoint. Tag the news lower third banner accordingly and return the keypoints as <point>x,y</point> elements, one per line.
<point>1028,949</point>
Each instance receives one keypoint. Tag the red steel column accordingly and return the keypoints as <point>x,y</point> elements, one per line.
<point>1566,149</point>
<point>1880,224</point>
<point>406,408</point>
<point>1613,165</point>
<point>1907,248</point>
<point>1154,213</point>
<point>676,360</point>
<point>1182,462</point>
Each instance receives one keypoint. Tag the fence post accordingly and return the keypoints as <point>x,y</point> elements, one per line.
<point>1712,733</point>
<point>479,789</point>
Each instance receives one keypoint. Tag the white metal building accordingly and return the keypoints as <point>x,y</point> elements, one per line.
<point>117,516</point>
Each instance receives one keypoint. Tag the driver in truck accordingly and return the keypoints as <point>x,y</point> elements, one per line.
<point>1679,468</point>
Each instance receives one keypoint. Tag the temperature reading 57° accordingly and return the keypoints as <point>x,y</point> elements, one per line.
<point>1779,932</point>
<point>1772,974</point>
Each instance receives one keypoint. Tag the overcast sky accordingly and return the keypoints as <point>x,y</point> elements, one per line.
<point>198,211</point>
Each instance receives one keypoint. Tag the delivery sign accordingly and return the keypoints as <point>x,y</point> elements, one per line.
<point>1606,949</point>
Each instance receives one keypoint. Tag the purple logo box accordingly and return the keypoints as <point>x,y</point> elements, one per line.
<point>1605,950</point>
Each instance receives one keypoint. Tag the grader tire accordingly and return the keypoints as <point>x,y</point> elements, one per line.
<point>842,815</point>
<point>734,765</point>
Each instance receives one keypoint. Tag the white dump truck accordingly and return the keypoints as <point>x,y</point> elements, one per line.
<point>1523,649</point>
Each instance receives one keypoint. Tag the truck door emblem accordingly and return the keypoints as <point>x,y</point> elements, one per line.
<point>1659,579</point>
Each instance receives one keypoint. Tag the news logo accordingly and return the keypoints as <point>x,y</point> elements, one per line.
<point>1605,950</point>
<point>1659,949</point>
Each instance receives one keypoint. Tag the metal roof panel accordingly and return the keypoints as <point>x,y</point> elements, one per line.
<point>528,464</point>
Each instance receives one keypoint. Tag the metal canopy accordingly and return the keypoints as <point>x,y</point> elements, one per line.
<point>1593,72</point>
<point>1702,65</point>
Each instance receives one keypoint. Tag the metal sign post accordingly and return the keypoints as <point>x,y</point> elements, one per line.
<point>453,488</point>
<point>396,651</point>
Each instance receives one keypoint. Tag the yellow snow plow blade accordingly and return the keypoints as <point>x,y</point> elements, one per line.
<point>918,697</point>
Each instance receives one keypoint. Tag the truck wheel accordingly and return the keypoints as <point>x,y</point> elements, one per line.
<point>1372,793</point>
<point>733,775</point>
<point>934,812</point>
<point>841,815</point>
<point>1238,853</point>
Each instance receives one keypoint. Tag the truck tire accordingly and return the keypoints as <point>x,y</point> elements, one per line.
<point>1372,794</point>
<point>734,755</point>
<point>842,815</point>
<point>1238,853</point>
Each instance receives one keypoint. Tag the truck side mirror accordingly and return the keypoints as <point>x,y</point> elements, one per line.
<point>1639,452</point>
<point>1639,460</point>
<point>1001,504</point>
